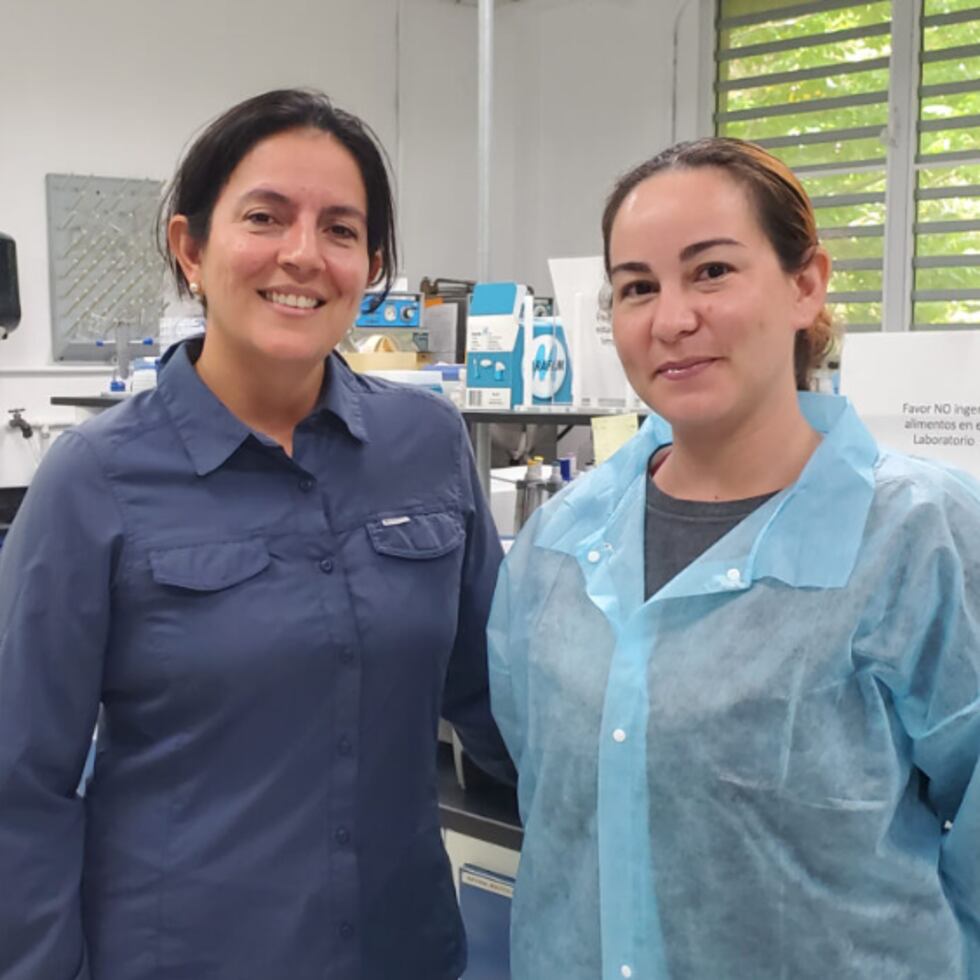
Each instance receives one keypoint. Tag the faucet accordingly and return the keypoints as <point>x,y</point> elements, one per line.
<point>17,421</point>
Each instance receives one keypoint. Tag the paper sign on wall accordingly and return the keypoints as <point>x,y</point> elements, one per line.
<point>599,381</point>
<point>918,392</point>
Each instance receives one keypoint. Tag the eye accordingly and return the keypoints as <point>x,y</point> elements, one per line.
<point>713,270</point>
<point>638,288</point>
<point>344,231</point>
<point>261,219</point>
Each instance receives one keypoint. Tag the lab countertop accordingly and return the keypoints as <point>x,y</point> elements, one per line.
<point>486,809</point>
<point>559,417</point>
<point>80,401</point>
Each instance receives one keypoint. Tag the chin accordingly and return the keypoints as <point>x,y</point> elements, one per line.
<point>692,412</point>
<point>294,350</point>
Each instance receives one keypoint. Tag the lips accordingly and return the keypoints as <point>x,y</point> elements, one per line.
<point>686,368</point>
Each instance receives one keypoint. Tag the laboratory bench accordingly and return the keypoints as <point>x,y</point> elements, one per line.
<point>486,810</point>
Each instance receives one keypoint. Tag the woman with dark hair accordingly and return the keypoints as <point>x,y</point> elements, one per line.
<point>738,665</point>
<point>273,576</point>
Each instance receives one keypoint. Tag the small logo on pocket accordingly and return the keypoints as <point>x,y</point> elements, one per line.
<point>394,521</point>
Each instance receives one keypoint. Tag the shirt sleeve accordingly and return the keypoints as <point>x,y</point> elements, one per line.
<point>940,702</point>
<point>466,695</point>
<point>55,572</point>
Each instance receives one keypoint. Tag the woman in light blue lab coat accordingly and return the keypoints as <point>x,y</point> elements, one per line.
<point>739,664</point>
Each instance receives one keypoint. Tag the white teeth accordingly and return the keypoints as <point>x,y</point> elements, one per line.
<point>299,302</point>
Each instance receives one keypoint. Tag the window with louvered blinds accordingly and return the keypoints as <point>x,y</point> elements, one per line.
<point>870,102</point>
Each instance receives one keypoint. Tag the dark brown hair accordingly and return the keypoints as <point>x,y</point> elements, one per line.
<point>781,205</point>
<point>213,156</point>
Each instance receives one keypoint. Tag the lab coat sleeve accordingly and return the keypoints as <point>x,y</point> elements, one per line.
<point>502,693</point>
<point>55,571</point>
<point>940,704</point>
<point>507,640</point>
<point>466,695</point>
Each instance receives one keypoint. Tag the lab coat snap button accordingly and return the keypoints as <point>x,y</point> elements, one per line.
<point>593,556</point>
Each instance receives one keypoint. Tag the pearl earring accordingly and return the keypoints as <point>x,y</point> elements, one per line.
<point>195,289</point>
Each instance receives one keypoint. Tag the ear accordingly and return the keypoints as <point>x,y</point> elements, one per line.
<point>185,248</point>
<point>374,268</point>
<point>811,288</point>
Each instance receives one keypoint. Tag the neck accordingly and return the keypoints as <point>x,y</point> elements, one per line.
<point>762,455</point>
<point>272,399</point>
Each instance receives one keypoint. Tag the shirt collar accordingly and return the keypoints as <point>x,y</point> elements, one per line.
<point>807,535</point>
<point>211,433</point>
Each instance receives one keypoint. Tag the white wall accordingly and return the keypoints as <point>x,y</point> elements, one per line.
<point>583,89</point>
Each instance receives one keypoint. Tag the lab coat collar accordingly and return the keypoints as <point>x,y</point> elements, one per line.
<point>807,535</point>
<point>211,433</point>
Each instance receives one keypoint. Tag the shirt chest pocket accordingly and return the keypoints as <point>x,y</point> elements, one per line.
<point>417,537</point>
<point>409,592</point>
<point>209,568</point>
<point>211,605</point>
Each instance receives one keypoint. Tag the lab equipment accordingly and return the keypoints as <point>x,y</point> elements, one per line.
<point>530,492</point>
<point>9,289</point>
<point>397,317</point>
<point>105,273</point>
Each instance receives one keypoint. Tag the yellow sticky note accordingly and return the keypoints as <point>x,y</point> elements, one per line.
<point>609,432</point>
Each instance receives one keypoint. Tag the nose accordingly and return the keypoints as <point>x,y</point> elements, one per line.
<point>674,314</point>
<point>300,248</point>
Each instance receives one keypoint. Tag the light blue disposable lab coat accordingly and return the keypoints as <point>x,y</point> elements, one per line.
<point>753,773</point>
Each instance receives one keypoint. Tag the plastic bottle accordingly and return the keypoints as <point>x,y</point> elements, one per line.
<point>554,483</point>
<point>530,492</point>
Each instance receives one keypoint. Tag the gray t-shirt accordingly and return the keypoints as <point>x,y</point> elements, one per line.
<point>678,531</point>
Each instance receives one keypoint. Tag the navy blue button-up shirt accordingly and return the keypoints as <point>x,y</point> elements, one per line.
<point>272,641</point>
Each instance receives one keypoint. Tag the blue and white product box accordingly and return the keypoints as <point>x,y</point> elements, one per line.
<point>551,366</point>
<point>484,903</point>
<point>495,346</point>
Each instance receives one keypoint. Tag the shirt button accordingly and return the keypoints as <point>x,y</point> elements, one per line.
<point>342,836</point>
<point>347,655</point>
<point>346,930</point>
<point>306,484</point>
<point>593,556</point>
<point>344,746</point>
<point>626,971</point>
<point>326,565</point>
<point>619,735</point>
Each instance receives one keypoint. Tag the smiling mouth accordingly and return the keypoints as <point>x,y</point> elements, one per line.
<point>293,300</point>
<point>685,369</point>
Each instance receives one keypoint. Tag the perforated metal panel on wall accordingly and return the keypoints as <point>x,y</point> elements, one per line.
<point>106,275</point>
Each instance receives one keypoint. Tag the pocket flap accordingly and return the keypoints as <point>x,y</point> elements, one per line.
<point>209,567</point>
<point>416,535</point>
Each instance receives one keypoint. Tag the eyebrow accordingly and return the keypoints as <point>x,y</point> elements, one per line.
<point>696,248</point>
<point>686,253</point>
<point>275,197</point>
